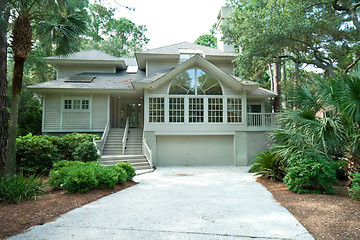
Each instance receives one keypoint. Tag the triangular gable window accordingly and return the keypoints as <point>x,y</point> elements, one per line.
<point>195,82</point>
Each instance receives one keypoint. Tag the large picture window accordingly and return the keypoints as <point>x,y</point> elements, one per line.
<point>156,109</point>
<point>176,110</point>
<point>196,110</point>
<point>234,114</point>
<point>195,82</point>
<point>215,110</point>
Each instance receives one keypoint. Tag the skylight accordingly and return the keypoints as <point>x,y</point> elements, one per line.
<point>132,69</point>
<point>80,79</point>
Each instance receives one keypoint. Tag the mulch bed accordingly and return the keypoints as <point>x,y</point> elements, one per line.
<point>324,216</point>
<point>15,218</point>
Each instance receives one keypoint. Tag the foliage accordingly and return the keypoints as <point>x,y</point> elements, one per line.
<point>129,169</point>
<point>121,173</point>
<point>303,31</point>
<point>208,40</point>
<point>80,179</point>
<point>354,190</point>
<point>86,152</point>
<point>107,177</point>
<point>310,173</point>
<point>118,37</point>
<point>35,154</point>
<point>76,176</point>
<point>16,188</point>
<point>269,165</point>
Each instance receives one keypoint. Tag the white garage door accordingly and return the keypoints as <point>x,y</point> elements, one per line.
<point>194,150</point>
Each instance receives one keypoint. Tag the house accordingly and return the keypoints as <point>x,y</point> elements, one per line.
<point>175,105</point>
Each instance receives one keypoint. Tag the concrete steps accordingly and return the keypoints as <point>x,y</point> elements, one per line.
<point>112,152</point>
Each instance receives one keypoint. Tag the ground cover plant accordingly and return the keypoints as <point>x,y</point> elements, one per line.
<point>15,188</point>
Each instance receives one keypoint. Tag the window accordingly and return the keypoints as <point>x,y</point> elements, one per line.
<point>176,110</point>
<point>156,109</point>
<point>215,110</point>
<point>68,104</point>
<point>196,110</point>
<point>85,104</point>
<point>195,82</point>
<point>234,114</point>
<point>76,104</point>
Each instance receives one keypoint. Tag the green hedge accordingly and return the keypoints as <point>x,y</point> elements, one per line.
<point>354,190</point>
<point>75,176</point>
<point>36,154</point>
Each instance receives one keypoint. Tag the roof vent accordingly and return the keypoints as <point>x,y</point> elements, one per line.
<point>80,79</point>
<point>132,69</point>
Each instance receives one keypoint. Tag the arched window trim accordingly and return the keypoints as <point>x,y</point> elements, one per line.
<point>196,92</point>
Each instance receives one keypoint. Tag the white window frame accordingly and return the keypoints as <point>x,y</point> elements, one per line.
<point>73,99</point>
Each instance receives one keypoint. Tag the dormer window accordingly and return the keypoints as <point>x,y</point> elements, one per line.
<point>195,82</point>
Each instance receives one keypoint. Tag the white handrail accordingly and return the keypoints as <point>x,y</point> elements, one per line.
<point>125,136</point>
<point>101,143</point>
<point>261,119</point>
<point>147,152</point>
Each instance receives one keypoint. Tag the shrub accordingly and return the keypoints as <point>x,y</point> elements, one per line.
<point>268,165</point>
<point>86,152</point>
<point>129,169</point>
<point>77,176</point>
<point>107,177</point>
<point>16,188</point>
<point>354,190</point>
<point>310,173</point>
<point>80,179</point>
<point>35,154</point>
<point>121,174</point>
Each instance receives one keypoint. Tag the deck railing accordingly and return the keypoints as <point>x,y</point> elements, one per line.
<point>100,144</point>
<point>147,152</point>
<point>261,119</point>
<point>126,131</point>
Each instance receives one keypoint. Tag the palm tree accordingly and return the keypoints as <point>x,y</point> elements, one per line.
<point>335,132</point>
<point>62,30</point>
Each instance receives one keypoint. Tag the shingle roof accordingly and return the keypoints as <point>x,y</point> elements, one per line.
<point>261,92</point>
<point>86,55</point>
<point>174,49</point>
<point>119,80</point>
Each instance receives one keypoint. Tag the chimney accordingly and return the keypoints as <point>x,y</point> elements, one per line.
<point>223,14</point>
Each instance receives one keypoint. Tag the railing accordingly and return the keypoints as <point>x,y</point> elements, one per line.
<point>125,136</point>
<point>100,144</point>
<point>147,152</point>
<point>261,119</point>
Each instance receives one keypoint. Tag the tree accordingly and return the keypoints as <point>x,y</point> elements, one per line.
<point>117,37</point>
<point>61,31</point>
<point>4,115</point>
<point>208,40</point>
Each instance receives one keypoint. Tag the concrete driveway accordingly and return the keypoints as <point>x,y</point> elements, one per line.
<point>180,203</point>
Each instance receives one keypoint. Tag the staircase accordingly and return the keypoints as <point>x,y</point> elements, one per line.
<point>112,152</point>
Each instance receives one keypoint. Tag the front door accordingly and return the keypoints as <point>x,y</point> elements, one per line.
<point>133,112</point>
<point>122,109</point>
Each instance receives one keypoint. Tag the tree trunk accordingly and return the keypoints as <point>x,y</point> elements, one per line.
<point>16,90</point>
<point>271,78</point>
<point>276,82</point>
<point>4,115</point>
<point>284,80</point>
<point>297,74</point>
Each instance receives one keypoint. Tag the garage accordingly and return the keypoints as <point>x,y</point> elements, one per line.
<point>195,150</point>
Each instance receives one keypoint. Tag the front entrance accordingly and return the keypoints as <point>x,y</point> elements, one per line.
<point>121,110</point>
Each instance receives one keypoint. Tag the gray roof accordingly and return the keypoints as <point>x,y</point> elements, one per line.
<point>86,55</point>
<point>261,92</point>
<point>119,80</point>
<point>174,49</point>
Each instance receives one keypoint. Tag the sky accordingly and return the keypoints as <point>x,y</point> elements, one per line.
<point>171,21</point>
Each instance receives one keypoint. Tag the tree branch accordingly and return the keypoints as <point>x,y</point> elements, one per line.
<point>352,65</point>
